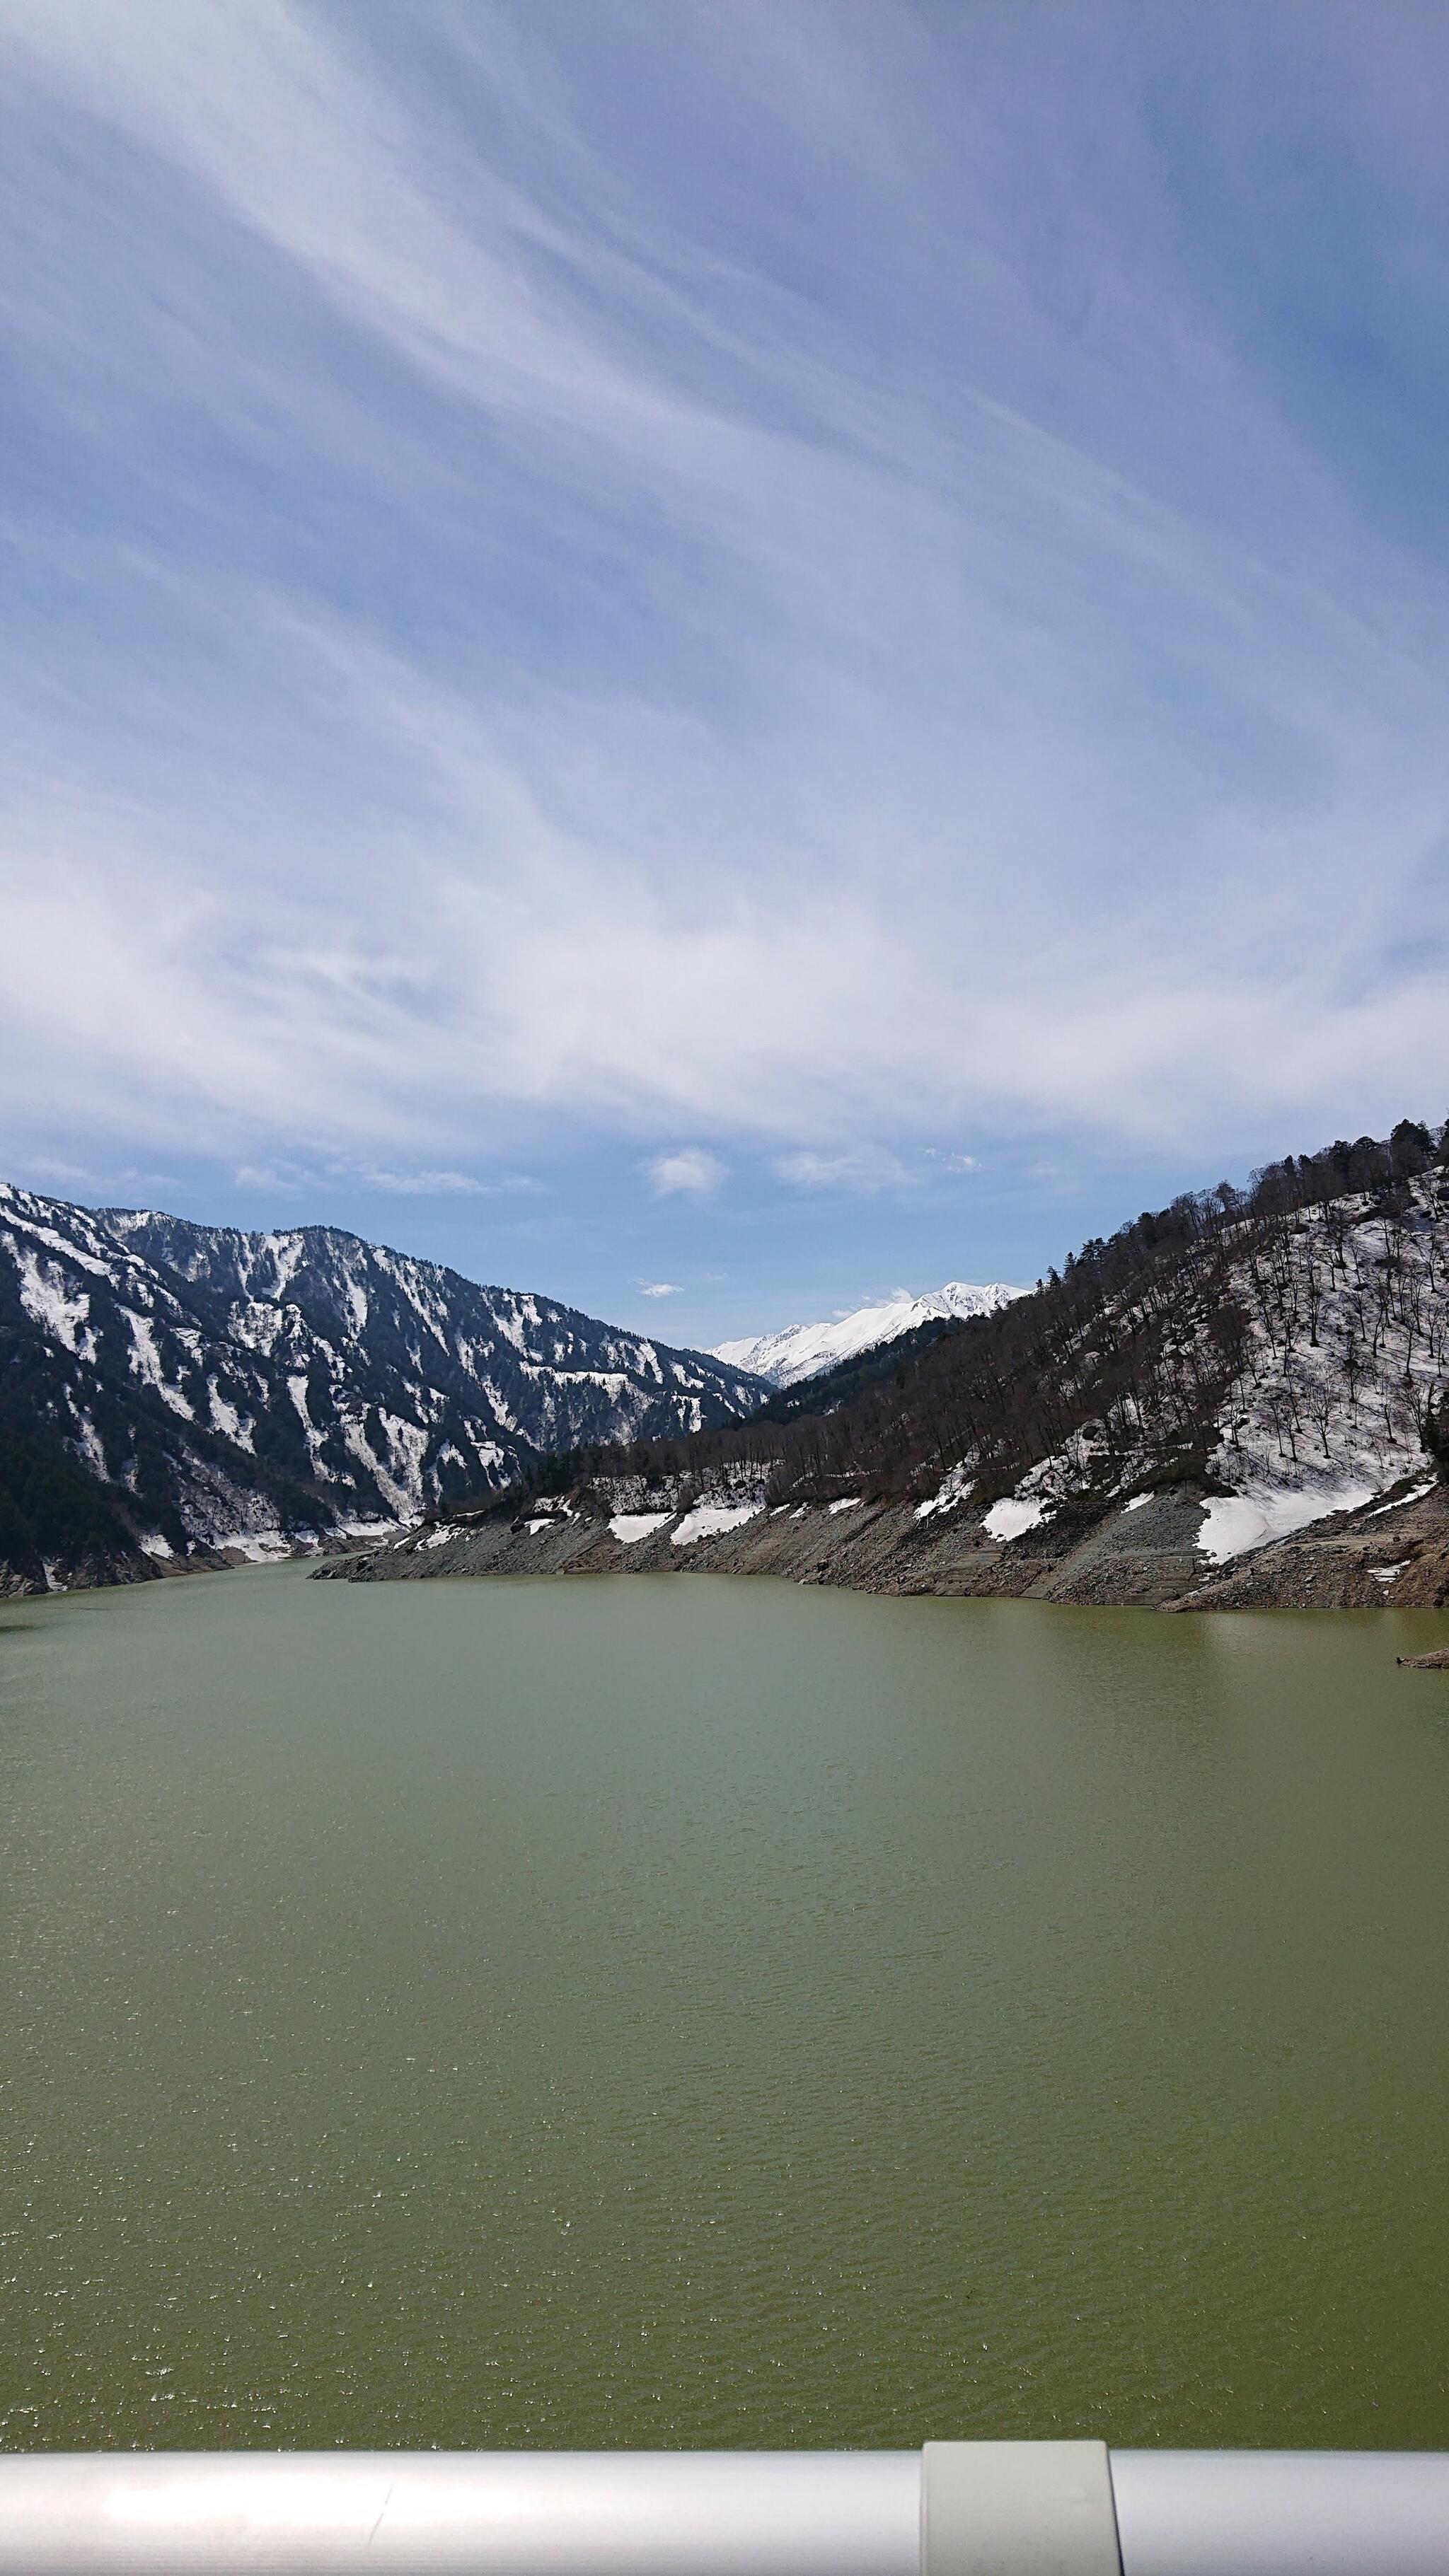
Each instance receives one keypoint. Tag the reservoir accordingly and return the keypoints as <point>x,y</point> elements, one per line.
<point>686,2011</point>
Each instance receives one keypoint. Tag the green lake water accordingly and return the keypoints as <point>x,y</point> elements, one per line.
<point>690,2011</point>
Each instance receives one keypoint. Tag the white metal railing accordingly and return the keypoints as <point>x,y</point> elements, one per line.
<point>954,2509</point>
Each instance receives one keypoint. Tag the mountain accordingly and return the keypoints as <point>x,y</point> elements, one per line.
<point>805,1350</point>
<point>1240,1398</point>
<point>168,1388</point>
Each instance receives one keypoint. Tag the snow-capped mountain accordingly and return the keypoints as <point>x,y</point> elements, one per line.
<point>165,1386</point>
<point>806,1350</point>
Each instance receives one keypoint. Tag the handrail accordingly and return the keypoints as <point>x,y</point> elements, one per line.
<point>954,2509</point>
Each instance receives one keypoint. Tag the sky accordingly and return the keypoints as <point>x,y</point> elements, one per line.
<point>719,658</point>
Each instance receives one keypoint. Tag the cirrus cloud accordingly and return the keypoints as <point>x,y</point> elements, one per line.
<point>514,628</point>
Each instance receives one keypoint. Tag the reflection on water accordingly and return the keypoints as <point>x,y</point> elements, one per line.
<point>700,2012</point>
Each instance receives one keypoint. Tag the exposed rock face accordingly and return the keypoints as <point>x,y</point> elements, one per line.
<point>1383,1557</point>
<point>174,1393</point>
<point>883,1547</point>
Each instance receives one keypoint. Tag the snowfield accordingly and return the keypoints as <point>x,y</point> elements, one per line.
<point>708,1519</point>
<point>1233,1523</point>
<point>806,1350</point>
<point>1014,1516</point>
<point>630,1527</point>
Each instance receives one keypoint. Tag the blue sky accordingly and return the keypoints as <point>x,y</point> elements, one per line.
<point>768,650</point>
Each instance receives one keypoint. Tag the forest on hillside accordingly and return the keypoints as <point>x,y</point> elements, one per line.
<point>1317,1293</point>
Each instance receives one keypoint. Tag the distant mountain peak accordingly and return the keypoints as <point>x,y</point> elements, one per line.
<point>806,1350</point>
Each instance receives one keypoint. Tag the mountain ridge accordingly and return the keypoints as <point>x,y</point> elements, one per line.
<point>799,1351</point>
<point>175,1392</point>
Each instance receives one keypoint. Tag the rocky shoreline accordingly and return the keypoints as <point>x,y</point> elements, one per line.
<point>1391,1554</point>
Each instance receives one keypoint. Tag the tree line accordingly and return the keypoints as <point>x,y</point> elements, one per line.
<point>1130,1356</point>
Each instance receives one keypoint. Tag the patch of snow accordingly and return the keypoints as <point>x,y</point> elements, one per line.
<point>629,1527</point>
<point>507,1323</point>
<point>1387,1574</point>
<point>147,1362</point>
<point>708,1520</point>
<point>59,1243</point>
<point>89,1442</point>
<point>437,1537</point>
<point>1234,1523</point>
<point>402,1484</point>
<point>286,1252</point>
<point>954,1487</point>
<point>1415,1494</point>
<point>506,1421</point>
<point>806,1350</point>
<point>225,1417</point>
<point>847,1503</point>
<point>43,1295</point>
<point>259,1547</point>
<point>1137,1502</point>
<point>1012,1517</point>
<point>255,1325</point>
<point>156,1545</point>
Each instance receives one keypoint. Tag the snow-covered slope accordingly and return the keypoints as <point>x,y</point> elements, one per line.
<point>1239,1365</point>
<point>1299,1360</point>
<point>805,1350</point>
<point>220,1389</point>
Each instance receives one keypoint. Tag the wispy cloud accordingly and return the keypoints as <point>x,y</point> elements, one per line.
<point>691,1172</point>
<point>826,617</point>
<point>858,1167</point>
<point>658,1288</point>
<point>297,1179</point>
<point>51,1173</point>
<point>432,1185</point>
